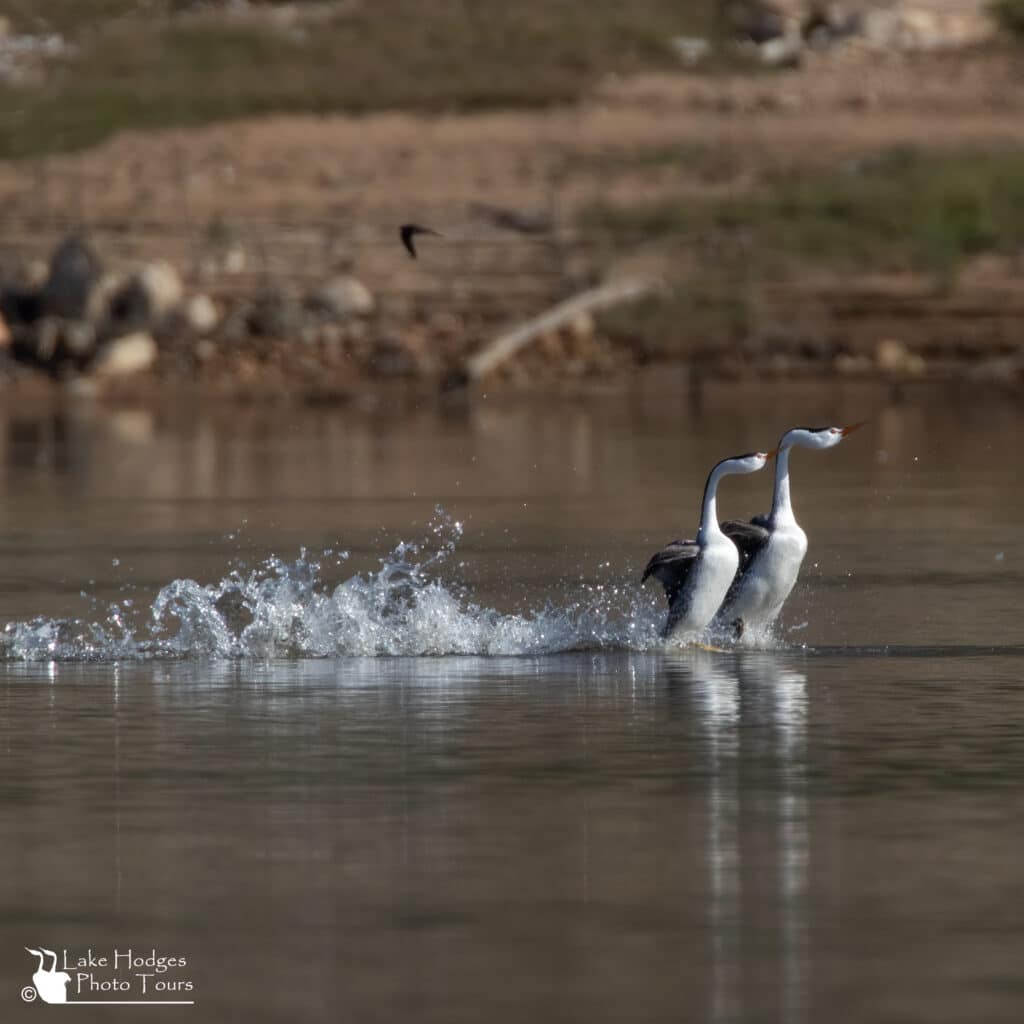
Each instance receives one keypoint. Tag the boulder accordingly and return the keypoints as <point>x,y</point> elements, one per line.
<point>161,285</point>
<point>131,353</point>
<point>233,261</point>
<point>892,356</point>
<point>781,52</point>
<point>224,260</point>
<point>199,314</point>
<point>75,271</point>
<point>342,298</point>
<point>145,298</point>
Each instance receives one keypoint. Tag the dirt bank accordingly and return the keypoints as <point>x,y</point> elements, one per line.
<point>303,198</point>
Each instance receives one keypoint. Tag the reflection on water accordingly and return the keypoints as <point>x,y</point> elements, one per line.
<point>732,837</point>
<point>718,692</point>
<point>736,699</point>
<point>829,833</point>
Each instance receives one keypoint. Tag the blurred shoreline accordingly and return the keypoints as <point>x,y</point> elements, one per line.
<point>860,216</point>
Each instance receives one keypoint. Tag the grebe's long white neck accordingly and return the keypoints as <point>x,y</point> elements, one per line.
<point>709,510</point>
<point>709,528</point>
<point>806,437</point>
<point>782,505</point>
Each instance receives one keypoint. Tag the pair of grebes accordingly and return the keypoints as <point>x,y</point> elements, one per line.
<point>736,576</point>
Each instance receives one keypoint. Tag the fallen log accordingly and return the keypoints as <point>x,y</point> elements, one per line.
<point>507,344</point>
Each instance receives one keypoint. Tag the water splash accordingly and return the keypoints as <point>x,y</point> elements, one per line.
<point>289,609</point>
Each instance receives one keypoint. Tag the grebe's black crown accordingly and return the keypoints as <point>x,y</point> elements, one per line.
<point>736,458</point>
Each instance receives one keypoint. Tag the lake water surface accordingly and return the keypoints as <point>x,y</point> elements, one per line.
<point>362,712</point>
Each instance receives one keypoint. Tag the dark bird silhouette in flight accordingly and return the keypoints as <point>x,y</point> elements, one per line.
<point>409,231</point>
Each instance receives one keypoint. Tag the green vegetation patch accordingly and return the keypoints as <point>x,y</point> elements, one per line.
<point>1010,15</point>
<point>901,209</point>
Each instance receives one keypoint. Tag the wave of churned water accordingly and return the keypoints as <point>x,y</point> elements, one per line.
<point>288,609</point>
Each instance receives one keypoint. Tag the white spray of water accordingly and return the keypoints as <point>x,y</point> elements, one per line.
<point>287,609</point>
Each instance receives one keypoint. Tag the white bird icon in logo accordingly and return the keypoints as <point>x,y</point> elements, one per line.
<point>50,984</point>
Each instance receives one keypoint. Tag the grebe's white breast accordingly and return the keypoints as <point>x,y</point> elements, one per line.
<point>771,577</point>
<point>708,586</point>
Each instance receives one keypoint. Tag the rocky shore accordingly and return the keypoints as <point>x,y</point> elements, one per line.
<point>260,257</point>
<point>73,326</point>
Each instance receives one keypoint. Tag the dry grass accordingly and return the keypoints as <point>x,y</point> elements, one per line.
<point>141,68</point>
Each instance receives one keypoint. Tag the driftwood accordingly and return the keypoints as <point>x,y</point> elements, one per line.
<point>508,344</point>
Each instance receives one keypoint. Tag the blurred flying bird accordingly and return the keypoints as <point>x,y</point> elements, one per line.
<point>526,223</point>
<point>409,231</point>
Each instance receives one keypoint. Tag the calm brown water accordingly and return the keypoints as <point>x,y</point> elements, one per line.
<point>827,831</point>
